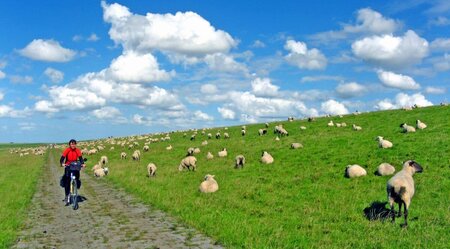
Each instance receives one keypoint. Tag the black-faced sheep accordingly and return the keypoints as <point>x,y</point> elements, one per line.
<point>240,161</point>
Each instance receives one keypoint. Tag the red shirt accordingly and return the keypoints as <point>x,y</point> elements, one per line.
<point>71,155</point>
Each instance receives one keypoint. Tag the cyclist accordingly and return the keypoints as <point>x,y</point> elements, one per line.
<point>69,155</point>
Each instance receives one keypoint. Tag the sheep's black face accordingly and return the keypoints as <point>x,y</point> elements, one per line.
<point>417,167</point>
<point>401,125</point>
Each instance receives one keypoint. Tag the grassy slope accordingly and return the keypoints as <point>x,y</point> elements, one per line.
<point>302,200</point>
<point>18,177</point>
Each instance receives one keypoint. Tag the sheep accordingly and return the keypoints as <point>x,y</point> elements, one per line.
<point>243,132</point>
<point>196,150</point>
<point>209,185</point>
<point>192,137</point>
<point>266,158</point>
<point>96,167</point>
<point>296,145</point>
<point>382,143</point>
<point>101,172</point>
<point>420,125</point>
<point>209,156</point>
<point>344,124</point>
<point>277,138</point>
<point>400,188</point>
<point>204,143</point>
<point>283,132</point>
<point>240,161</point>
<point>136,156</point>
<point>226,135</point>
<point>302,128</point>
<point>223,153</point>
<point>103,160</point>
<point>338,124</point>
<point>356,128</point>
<point>188,163</point>
<point>209,135</point>
<point>267,125</point>
<point>262,132</point>
<point>277,129</point>
<point>146,148</point>
<point>311,119</point>
<point>352,171</point>
<point>290,119</point>
<point>123,155</point>
<point>190,152</point>
<point>330,123</point>
<point>151,169</point>
<point>217,135</point>
<point>169,147</point>
<point>407,128</point>
<point>385,169</point>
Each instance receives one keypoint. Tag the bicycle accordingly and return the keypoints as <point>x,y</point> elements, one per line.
<point>74,166</point>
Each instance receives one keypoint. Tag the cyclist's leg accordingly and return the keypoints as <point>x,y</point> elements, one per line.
<point>76,173</point>
<point>67,181</point>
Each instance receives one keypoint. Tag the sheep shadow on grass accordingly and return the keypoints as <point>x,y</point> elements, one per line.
<point>377,211</point>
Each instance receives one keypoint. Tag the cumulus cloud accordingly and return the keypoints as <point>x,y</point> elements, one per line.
<point>224,63</point>
<point>403,100</point>
<point>9,112</point>
<point>226,113</point>
<point>440,21</point>
<point>435,90</point>
<point>440,44</point>
<point>262,87</point>
<point>54,75</point>
<point>352,89</point>
<point>442,63</point>
<point>67,98</point>
<point>106,112</point>
<point>17,79</point>
<point>304,58</point>
<point>320,78</point>
<point>398,81</point>
<point>27,126</point>
<point>47,50</point>
<point>208,89</point>
<point>333,107</point>
<point>201,116</point>
<point>390,51</point>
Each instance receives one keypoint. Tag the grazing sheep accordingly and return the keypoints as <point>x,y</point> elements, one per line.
<point>217,135</point>
<point>267,125</point>
<point>330,123</point>
<point>420,125</point>
<point>290,119</point>
<point>283,132</point>
<point>103,160</point>
<point>266,158</point>
<point>223,153</point>
<point>382,143</point>
<point>385,169</point>
<point>311,119</point>
<point>188,163</point>
<point>136,156</point>
<point>192,137</point>
<point>240,161</point>
<point>101,172</point>
<point>151,169</point>
<point>352,171</point>
<point>209,156</point>
<point>226,135</point>
<point>407,128</point>
<point>262,132</point>
<point>196,150</point>
<point>209,135</point>
<point>204,143</point>
<point>209,185</point>
<point>169,147</point>
<point>146,148</point>
<point>123,155</point>
<point>243,132</point>
<point>400,188</point>
<point>190,152</point>
<point>356,128</point>
<point>296,145</point>
<point>244,127</point>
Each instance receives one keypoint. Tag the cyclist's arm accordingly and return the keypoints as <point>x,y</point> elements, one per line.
<point>61,160</point>
<point>81,159</point>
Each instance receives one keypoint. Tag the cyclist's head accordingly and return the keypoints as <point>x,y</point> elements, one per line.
<point>72,141</point>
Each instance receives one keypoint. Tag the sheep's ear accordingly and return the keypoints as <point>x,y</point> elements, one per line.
<point>411,163</point>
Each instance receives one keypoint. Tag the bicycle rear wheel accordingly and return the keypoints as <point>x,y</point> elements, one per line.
<point>74,194</point>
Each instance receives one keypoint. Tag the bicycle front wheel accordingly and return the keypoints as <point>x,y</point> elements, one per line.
<point>74,194</point>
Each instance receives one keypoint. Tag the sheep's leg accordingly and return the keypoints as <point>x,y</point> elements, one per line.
<point>392,213</point>
<point>400,209</point>
<point>406,215</point>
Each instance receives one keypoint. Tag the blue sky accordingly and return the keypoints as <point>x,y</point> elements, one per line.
<point>92,69</point>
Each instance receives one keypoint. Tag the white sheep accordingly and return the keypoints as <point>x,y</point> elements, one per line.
<point>204,143</point>
<point>223,153</point>
<point>330,123</point>
<point>96,167</point>
<point>209,185</point>
<point>243,132</point>
<point>190,152</point>
<point>277,138</point>
<point>266,158</point>
<point>385,169</point>
<point>103,160</point>
<point>217,135</point>
<point>136,156</point>
<point>209,135</point>
<point>240,161</point>
<point>226,135</point>
<point>400,188</point>
<point>420,125</point>
<point>302,128</point>
<point>296,145</point>
<point>123,155</point>
<point>101,172</point>
<point>146,148</point>
<point>382,143</point>
<point>352,171</point>
<point>407,128</point>
<point>196,150</point>
<point>151,169</point>
<point>188,163</point>
<point>262,132</point>
<point>169,147</point>
<point>209,156</point>
<point>356,128</point>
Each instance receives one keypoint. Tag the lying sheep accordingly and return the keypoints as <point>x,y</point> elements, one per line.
<point>103,160</point>
<point>296,145</point>
<point>209,156</point>
<point>277,138</point>
<point>352,171</point>
<point>302,128</point>
<point>204,143</point>
<point>382,143</point>
<point>420,125</point>
<point>151,169</point>
<point>266,158</point>
<point>169,147</point>
<point>96,167</point>
<point>209,185</point>
<point>400,188</point>
<point>223,153</point>
<point>123,155</point>
<point>240,161</point>
<point>407,128</point>
<point>101,172</point>
<point>188,163</point>
<point>356,128</point>
<point>385,169</point>
<point>330,123</point>
<point>196,150</point>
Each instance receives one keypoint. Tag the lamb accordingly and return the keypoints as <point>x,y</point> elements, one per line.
<point>296,145</point>
<point>123,155</point>
<point>385,169</point>
<point>382,143</point>
<point>352,171</point>
<point>330,123</point>
<point>420,125</point>
<point>356,128</point>
<point>266,158</point>
<point>209,156</point>
<point>400,188</point>
<point>103,160</point>
<point>223,153</point>
<point>101,172</point>
<point>151,169</point>
<point>240,161</point>
<point>209,185</point>
<point>407,128</point>
<point>188,163</point>
<point>277,138</point>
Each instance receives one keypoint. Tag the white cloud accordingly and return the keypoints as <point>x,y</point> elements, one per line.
<point>392,51</point>
<point>2,95</point>
<point>440,44</point>
<point>304,58</point>
<point>262,87</point>
<point>226,113</point>
<point>435,90</point>
<point>8,111</point>
<point>201,116</point>
<point>442,63</point>
<point>135,68</point>
<point>399,81</point>
<point>440,21</point>
<point>2,75</point>
<point>224,63</point>
<point>45,106</point>
<point>93,37</point>
<point>403,100</point>
<point>27,126</point>
<point>352,89</point>
<point>77,38</point>
<point>17,79</point>
<point>54,75</point>
<point>106,112</point>
<point>333,107</point>
<point>47,50</point>
<point>208,89</point>
<point>139,119</point>
<point>320,78</point>
<point>258,44</point>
